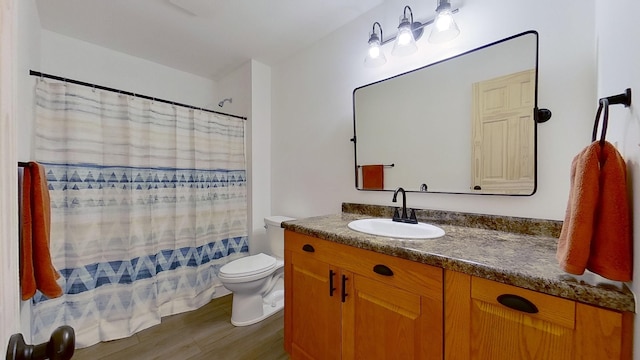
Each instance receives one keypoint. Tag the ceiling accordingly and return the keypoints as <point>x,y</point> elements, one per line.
<point>209,38</point>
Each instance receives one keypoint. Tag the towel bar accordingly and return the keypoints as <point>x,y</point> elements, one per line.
<point>390,165</point>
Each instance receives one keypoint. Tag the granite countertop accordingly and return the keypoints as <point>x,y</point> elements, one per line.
<point>518,258</point>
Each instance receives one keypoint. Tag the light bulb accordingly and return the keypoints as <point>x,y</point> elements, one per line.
<point>375,56</point>
<point>404,37</point>
<point>374,51</point>
<point>405,43</point>
<point>444,27</point>
<point>443,21</point>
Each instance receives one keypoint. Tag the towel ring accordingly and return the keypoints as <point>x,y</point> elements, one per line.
<point>624,99</point>
<point>604,103</point>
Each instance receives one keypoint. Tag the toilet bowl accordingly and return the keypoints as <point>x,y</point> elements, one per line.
<point>257,281</point>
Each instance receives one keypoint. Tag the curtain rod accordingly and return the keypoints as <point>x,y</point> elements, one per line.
<point>59,78</point>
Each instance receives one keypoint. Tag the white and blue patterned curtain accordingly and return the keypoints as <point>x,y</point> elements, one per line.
<point>148,201</point>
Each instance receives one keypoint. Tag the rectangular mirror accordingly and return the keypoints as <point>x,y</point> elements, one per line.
<point>462,125</point>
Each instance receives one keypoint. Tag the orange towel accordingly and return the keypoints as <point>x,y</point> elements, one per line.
<point>27,278</point>
<point>36,268</point>
<point>612,244</point>
<point>373,177</point>
<point>596,233</point>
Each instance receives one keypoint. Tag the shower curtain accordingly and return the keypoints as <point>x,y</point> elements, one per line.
<point>148,201</point>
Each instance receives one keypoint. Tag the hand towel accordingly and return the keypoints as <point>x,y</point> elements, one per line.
<point>373,177</point>
<point>37,270</point>
<point>27,277</point>
<point>596,233</point>
<point>612,244</point>
<point>574,244</point>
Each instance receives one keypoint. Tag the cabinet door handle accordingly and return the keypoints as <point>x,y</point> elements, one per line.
<point>308,248</point>
<point>382,270</point>
<point>518,303</point>
<point>344,287</point>
<point>331,288</point>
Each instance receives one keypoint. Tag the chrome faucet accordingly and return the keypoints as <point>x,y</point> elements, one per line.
<point>404,218</point>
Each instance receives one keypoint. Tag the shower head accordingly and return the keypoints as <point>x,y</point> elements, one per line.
<point>221,103</point>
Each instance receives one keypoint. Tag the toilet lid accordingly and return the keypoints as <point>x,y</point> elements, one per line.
<point>248,265</point>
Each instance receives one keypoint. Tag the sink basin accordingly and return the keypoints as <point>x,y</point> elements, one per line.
<point>390,228</point>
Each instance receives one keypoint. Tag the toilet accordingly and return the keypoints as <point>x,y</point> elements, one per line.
<point>257,281</point>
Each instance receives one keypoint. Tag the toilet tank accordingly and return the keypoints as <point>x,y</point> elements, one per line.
<point>275,234</point>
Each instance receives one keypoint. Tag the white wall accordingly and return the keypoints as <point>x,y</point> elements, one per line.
<point>312,105</point>
<point>260,140</point>
<point>618,56</point>
<point>237,86</point>
<point>79,60</point>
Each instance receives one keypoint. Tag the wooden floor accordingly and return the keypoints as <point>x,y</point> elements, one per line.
<point>205,333</point>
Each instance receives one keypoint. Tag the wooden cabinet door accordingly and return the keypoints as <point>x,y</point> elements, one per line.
<point>383,307</point>
<point>315,310</point>
<point>385,322</point>
<point>478,324</point>
<point>500,332</point>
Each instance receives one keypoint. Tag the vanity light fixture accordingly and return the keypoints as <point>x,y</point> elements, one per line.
<point>375,55</point>
<point>444,26</point>
<point>408,32</point>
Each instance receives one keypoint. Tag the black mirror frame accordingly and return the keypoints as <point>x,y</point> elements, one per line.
<point>540,116</point>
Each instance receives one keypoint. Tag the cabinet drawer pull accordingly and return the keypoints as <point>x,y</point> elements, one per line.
<point>331,288</point>
<point>308,248</point>
<point>344,287</point>
<point>519,303</point>
<point>382,270</point>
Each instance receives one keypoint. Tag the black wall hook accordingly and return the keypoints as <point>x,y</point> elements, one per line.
<point>603,104</point>
<point>542,115</point>
<point>624,98</point>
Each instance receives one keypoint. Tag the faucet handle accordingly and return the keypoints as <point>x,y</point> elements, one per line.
<point>396,214</point>
<point>412,217</point>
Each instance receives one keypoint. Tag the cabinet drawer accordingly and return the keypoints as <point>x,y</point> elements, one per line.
<point>421,279</point>
<point>549,308</point>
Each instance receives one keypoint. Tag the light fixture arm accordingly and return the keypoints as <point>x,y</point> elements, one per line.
<point>407,7</point>
<point>373,31</point>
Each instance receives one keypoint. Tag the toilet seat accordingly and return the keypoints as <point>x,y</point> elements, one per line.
<point>248,268</point>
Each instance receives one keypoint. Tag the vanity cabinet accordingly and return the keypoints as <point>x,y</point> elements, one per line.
<point>489,320</point>
<point>344,302</point>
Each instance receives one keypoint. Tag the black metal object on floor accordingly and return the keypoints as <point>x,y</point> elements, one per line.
<point>60,346</point>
